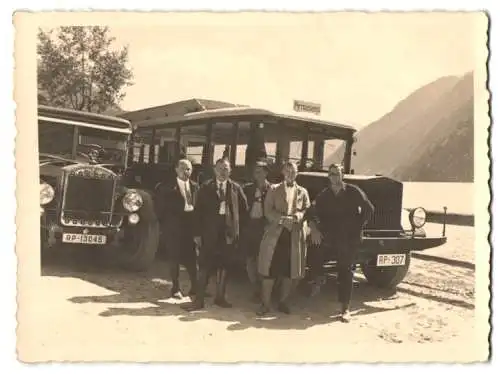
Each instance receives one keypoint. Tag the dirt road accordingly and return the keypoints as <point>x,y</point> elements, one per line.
<point>85,313</point>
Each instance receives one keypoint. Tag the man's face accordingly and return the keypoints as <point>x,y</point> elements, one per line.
<point>222,170</point>
<point>290,173</point>
<point>259,174</point>
<point>335,176</point>
<point>184,169</point>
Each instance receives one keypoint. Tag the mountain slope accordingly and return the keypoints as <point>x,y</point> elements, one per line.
<point>418,139</point>
<point>448,154</point>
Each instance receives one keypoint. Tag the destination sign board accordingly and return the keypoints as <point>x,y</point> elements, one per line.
<point>305,106</point>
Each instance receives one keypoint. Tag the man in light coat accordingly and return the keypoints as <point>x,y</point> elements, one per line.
<point>283,249</point>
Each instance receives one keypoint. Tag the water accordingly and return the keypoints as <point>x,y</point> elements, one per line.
<point>457,197</point>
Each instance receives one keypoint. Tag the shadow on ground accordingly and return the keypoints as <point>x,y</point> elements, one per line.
<point>153,288</point>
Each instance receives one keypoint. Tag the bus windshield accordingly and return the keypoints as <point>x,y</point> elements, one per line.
<point>58,139</point>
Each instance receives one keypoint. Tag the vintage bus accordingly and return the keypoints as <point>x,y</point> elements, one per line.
<point>242,133</point>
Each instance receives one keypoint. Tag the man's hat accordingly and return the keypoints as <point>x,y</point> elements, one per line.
<point>262,162</point>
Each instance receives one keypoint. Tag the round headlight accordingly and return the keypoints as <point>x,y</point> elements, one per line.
<point>46,193</point>
<point>418,217</point>
<point>132,201</point>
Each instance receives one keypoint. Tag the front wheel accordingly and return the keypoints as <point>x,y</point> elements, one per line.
<point>139,247</point>
<point>139,244</point>
<point>385,276</point>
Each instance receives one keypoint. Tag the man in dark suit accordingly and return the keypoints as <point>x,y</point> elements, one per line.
<point>220,212</point>
<point>178,199</point>
<point>255,193</point>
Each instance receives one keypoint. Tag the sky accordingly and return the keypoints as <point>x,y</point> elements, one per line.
<point>357,66</point>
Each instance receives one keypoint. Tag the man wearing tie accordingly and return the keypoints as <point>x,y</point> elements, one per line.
<point>221,209</point>
<point>254,229</point>
<point>282,253</point>
<point>178,200</point>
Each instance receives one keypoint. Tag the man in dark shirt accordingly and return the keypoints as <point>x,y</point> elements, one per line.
<point>337,217</point>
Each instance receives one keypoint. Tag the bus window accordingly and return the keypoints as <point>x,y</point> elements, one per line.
<point>156,153</point>
<point>334,151</point>
<point>146,153</point>
<point>193,139</point>
<point>267,134</point>
<point>136,152</point>
<point>55,138</point>
<point>222,139</point>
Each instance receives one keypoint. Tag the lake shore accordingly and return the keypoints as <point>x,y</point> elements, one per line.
<point>458,198</point>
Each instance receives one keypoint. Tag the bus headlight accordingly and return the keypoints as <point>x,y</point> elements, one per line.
<point>418,217</point>
<point>132,201</point>
<point>46,193</point>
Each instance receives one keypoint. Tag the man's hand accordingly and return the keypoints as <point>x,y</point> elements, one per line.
<point>316,236</point>
<point>287,221</point>
<point>197,240</point>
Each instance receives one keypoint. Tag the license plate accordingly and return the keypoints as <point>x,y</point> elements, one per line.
<point>84,239</point>
<point>391,260</point>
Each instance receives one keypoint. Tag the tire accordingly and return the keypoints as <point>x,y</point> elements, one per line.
<point>139,246</point>
<point>385,277</point>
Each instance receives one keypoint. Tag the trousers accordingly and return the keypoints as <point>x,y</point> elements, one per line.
<point>346,251</point>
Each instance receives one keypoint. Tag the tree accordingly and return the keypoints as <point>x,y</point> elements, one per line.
<point>78,69</point>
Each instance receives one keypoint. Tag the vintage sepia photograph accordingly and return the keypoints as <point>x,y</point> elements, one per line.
<point>252,187</point>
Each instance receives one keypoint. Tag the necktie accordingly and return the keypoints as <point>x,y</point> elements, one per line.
<point>289,184</point>
<point>221,192</point>
<point>189,197</point>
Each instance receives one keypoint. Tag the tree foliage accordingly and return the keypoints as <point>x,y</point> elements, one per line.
<point>78,69</point>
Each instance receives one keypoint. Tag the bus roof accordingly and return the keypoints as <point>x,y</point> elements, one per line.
<point>242,113</point>
<point>77,117</point>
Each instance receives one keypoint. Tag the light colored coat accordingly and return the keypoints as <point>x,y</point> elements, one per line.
<point>275,206</point>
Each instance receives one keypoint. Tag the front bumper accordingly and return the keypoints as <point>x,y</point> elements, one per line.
<point>399,244</point>
<point>52,232</point>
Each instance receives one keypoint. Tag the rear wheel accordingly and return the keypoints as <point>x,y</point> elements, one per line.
<point>385,276</point>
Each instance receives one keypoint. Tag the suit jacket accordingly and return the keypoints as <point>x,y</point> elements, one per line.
<point>171,204</point>
<point>250,189</point>
<point>275,206</point>
<point>207,211</point>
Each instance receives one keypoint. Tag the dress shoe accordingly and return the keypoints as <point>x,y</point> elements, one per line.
<point>176,294</point>
<point>345,316</point>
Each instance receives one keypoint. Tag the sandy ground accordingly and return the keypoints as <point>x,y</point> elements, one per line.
<point>86,313</point>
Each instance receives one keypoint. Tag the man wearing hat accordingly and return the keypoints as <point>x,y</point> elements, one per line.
<point>255,193</point>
